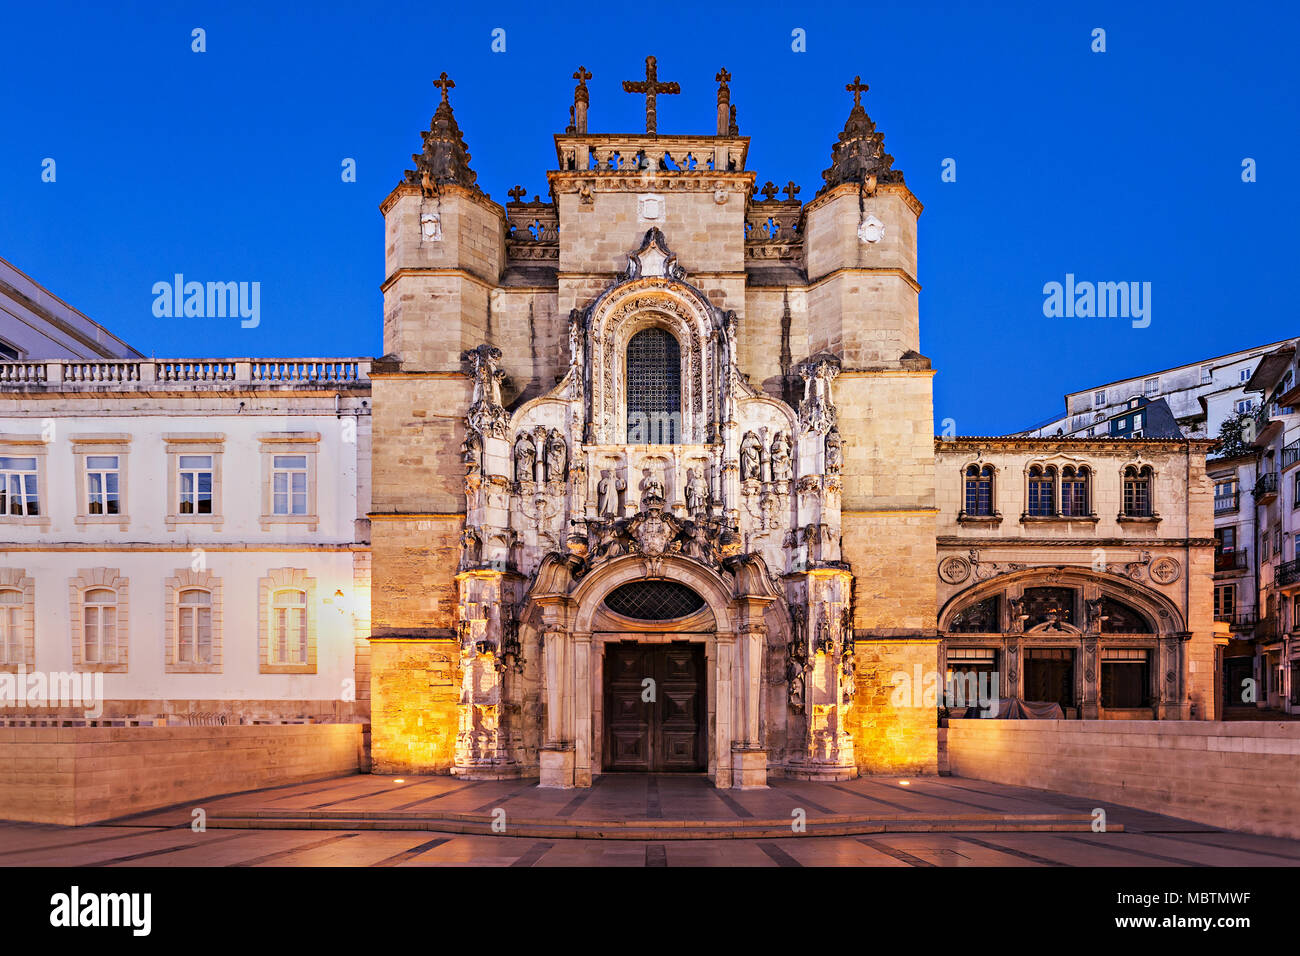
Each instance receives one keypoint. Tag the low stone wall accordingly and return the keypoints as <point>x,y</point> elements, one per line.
<point>1239,775</point>
<point>80,775</point>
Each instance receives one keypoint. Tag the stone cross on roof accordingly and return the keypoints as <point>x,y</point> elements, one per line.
<point>444,84</point>
<point>518,193</point>
<point>651,87</point>
<point>857,88</point>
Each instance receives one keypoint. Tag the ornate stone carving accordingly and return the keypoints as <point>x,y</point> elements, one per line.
<point>1165,570</point>
<point>954,569</point>
<point>445,157</point>
<point>817,408</point>
<point>652,489</point>
<point>487,416</point>
<point>859,156</point>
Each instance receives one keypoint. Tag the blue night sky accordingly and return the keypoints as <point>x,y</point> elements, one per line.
<point>225,165</point>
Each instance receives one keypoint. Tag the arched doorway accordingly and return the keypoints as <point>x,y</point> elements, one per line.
<point>669,620</point>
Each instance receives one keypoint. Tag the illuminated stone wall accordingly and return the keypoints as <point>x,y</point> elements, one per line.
<point>414,692</point>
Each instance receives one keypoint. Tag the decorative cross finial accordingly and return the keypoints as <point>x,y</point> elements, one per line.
<point>582,76</point>
<point>444,84</point>
<point>769,191</point>
<point>723,76</point>
<point>857,88</point>
<point>651,87</point>
<point>518,193</point>
<point>791,190</point>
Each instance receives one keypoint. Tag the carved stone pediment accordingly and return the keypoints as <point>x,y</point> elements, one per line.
<point>653,258</point>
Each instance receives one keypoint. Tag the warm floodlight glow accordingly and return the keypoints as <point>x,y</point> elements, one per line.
<point>399,780</point>
<point>904,783</point>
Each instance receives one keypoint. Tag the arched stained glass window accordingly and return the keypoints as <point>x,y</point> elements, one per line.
<point>654,388</point>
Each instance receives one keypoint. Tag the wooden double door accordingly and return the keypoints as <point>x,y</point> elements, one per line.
<point>654,707</point>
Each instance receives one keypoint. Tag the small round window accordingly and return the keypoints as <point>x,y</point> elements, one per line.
<point>653,600</point>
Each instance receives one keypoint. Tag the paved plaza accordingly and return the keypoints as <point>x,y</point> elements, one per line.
<point>643,820</point>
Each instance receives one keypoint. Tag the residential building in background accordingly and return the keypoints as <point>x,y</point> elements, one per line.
<point>36,324</point>
<point>1199,396</point>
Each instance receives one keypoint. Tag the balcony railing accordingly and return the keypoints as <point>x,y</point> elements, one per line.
<point>1231,560</point>
<point>1224,504</point>
<point>1238,618</point>
<point>1291,454</point>
<point>1288,572</point>
<point>1266,486</point>
<point>165,373</point>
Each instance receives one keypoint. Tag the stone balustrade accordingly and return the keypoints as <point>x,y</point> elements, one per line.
<point>61,375</point>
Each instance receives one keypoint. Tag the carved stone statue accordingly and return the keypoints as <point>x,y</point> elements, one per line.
<point>817,409</point>
<point>1094,616</point>
<point>525,457</point>
<point>608,488</point>
<point>557,454</point>
<point>472,453</point>
<point>848,680</point>
<point>471,549</point>
<point>697,492</point>
<point>749,457</point>
<point>652,488</point>
<point>794,675</point>
<point>1016,615</point>
<point>782,467</point>
<point>834,452</point>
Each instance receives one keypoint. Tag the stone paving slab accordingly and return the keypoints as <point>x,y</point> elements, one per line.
<point>370,820</point>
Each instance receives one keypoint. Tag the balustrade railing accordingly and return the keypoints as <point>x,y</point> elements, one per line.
<point>160,373</point>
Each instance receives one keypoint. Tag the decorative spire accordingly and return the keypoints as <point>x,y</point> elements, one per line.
<point>724,102</point>
<point>445,158</point>
<point>581,100</point>
<point>859,156</point>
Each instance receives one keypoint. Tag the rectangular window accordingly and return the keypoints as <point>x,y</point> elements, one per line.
<point>1152,386</point>
<point>1207,374</point>
<point>1137,421</point>
<point>289,628</point>
<point>289,485</point>
<point>1099,398</point>
<point>1137,497</point>
<point>1074,497</point>
<point>1245,406</point>
<point>1049,675</point>
<point>195,485</point>
<point>1125,679</point>
<point>18,491</point>
<point>102,479</point>
<point>194,624</point>
<point>1244,375</point>
<point>11,626</point>
<point>1295,496</point>
<point>1225,601</point>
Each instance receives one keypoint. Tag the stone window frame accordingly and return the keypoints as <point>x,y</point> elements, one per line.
<point>16,579</point>
<point>193,443</point>
<point>187,579</point>
<point>289,443</point>
<point>1123,517</point>
<point>84,446</point>
<point>1057,466</point>
<point>30,446</point>
<point>278,579</point>
<point>89,579</point>
<point>963,516</point>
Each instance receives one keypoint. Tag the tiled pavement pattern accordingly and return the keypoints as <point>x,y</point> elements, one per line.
<point>164,838</point>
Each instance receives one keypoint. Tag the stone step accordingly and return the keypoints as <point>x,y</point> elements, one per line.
<point>654,830</point>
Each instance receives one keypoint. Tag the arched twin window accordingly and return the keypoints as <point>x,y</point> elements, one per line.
<point>1042,491</point>
<point>654,388</point>
<point>979,491</point>
<point>1075,491</point>
<point>1137,491</point>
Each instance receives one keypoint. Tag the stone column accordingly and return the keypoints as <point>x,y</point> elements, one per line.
<point>723,708</point>
<point>482,750</point>
<point>556,758</point>
<point>748,754</point>
<point>1090,699</point>
<point>581,709</point>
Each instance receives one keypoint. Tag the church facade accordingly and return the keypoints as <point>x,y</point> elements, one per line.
<point>654,481</point>
<point>646,480</point>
